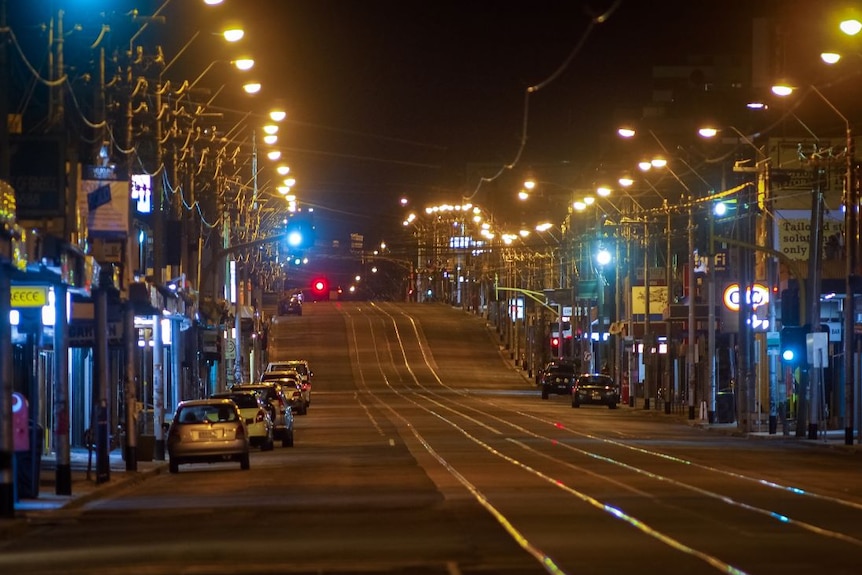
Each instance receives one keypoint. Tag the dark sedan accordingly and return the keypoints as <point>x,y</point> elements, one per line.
<point>557,379</point>
<point>595,388</point>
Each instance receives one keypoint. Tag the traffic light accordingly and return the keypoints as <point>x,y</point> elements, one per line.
<point>320,288</point>
<point>299,233</point>
<point>794,349</point>
<point>724,209</point>
<point>790,307</point>
<point>555,346</point>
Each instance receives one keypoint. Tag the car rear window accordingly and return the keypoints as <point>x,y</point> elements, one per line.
<point>300,368</point>
<point>206,413</point>
<point>265,392</point>
<point>595,380</point>
<point>243,400</point>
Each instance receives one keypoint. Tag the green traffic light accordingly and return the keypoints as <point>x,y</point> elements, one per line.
<point>294,239</point>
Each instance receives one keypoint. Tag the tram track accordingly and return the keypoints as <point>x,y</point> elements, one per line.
<point>547,450</point>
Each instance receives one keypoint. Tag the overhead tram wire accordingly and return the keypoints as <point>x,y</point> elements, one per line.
<point>594,20</point>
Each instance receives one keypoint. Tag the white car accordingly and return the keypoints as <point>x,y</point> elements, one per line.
<point>297,393</point>
<point>301,366</point>
<point>257,420</point>
<point>207,431</point>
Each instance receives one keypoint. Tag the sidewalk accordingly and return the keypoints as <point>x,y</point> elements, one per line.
<point>84,488</point>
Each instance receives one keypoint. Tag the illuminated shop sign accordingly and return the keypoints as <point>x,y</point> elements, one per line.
<point>758,295</point>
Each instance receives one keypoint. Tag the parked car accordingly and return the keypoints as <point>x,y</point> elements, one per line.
<point>301,366</point>
<point>291,305</point>
<point>207,431</point>
<point>279,408</point>
<point>557,378</point>
<point>255,411</point>
<point>595,388</point>
<point>297,394</point>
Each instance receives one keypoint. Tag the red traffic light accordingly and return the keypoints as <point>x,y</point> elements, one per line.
<point>320,286</point>
<point>555,342</point>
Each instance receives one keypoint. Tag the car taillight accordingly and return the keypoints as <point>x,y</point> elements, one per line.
<point>261,416</point>
<point>240,432</point>
<point>174,433</point>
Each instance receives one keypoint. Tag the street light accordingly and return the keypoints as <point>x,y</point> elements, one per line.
<point>851,235</point>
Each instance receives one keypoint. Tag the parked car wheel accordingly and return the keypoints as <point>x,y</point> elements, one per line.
<point>288,439</point>
<point>244,462</point>
<point>173,466</point>
<point>268,445</point>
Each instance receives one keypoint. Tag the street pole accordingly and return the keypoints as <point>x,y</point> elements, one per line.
<point>159,241</point>
<point>851,239</point>
<point>618,299</point>
<point>630,315</point>
<point>7,478</point>
<point>711,384</point>
<point>851,246</point>
<point>668,356</point>
<point>647,337</point>
<point>692,332</point>
<point>815,240</point>
<point>130,344</point>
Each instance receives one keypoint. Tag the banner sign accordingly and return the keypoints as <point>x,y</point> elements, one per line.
<point>104,205</point>
<point>793,234</point>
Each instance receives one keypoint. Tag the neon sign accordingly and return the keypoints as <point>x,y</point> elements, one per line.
<point>758,295</point>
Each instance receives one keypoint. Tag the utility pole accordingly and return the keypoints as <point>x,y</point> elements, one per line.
<point>647,338</point>
<point>815,240</point>
<point>7,487</point>
<point>158,279</point>
<point>668,356</point>
<point>692,332</point>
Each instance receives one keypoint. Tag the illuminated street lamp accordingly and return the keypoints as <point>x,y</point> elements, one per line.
<point>233,34</point>
<point>851,26</point>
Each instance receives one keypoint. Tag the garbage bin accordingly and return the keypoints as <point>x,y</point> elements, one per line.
<point>725,407</point>
<point>146,449</point>
<point>28,465</point>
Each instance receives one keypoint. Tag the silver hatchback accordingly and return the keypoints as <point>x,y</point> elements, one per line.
<point>207,431</point>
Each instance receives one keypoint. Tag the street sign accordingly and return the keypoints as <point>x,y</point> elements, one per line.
<point>29,296</point>
<point>83,333</point>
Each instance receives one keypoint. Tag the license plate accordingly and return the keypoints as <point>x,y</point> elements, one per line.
<point>208,434</point>
<point>597,395</point>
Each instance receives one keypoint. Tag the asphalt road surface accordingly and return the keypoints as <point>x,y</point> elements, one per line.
<point>422,453</point>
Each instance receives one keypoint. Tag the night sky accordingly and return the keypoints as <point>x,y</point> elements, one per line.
<point>395,98</point>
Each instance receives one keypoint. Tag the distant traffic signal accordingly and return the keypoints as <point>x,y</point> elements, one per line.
<point>299,233</point>
<point>790,307</point>
<point>555,346</point>
<point>794,349</point>
<point>320,288</point>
